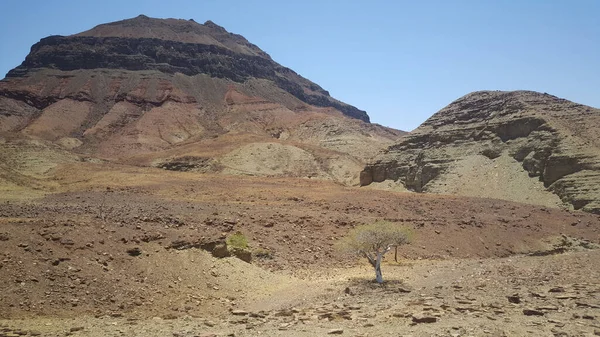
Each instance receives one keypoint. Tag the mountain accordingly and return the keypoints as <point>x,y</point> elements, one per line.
<point>185,96</point>
<point>520,145</point>
<point>173,46</point>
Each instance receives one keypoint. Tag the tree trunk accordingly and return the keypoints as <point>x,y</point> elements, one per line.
<point>378,275</point>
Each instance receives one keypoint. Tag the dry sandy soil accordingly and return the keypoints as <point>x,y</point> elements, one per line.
<point>110,250</point>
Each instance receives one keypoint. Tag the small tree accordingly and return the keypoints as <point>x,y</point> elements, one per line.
<point>373,241</point>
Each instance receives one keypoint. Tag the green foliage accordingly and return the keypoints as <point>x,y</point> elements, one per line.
<point>237,245</point>
<point>237,240</point>
<point>375,237</point>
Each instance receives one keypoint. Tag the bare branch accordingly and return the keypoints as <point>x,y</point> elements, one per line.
<point>370,258</point>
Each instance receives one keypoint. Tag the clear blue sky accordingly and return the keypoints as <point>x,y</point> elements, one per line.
<point>401,61</point>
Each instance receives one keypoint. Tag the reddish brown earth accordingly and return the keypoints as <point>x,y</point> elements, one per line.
<point>67,254</point>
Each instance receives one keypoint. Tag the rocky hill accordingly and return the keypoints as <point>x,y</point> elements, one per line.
<point>173,46</point>
<point>185,96</point>
<point>517,145</point>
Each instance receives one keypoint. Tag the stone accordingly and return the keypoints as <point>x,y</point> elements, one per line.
<point>515,298</point>
<point>135,251</point>
<point>335,332</point>
<point>242,254</point>
<point>567,296</point>
<point>220,251</point>
<point>587,305</point>
<point>284,313</point>
<point>547,307</point>
<point>533,312</point>
<point>239,312</point>
<point>538,295</point>
<point>423,318</point>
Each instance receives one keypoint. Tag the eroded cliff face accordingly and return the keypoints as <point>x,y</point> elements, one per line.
<point>554,140</point>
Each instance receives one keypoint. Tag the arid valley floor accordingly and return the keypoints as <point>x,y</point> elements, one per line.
<point>66,267</point>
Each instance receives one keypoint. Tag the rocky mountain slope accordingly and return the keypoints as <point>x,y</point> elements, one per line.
<point>510,145</point>
<point>173,46</point>
<point>185,96</point>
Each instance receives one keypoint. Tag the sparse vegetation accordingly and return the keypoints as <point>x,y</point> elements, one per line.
<point>237,245</point>
<point>237,241</point>
<point>373,241</point>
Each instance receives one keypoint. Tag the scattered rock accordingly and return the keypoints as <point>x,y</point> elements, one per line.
<point>567,296</point>
<point>587,305</point>
<point>220,251</point>
<point>284,313</point>
<point>239,312</point>
<point>423,318</point>
<point>533,312</point>
<point>242,254</point>
<point>515,298</point>
<point>547,307</point>
<point>335,332</point>
<point>136,251</point>
<point>538,295</point>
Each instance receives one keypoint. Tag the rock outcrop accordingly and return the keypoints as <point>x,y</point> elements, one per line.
<point>553,140</point>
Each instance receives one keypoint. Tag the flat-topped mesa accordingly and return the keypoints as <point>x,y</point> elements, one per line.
<point>174,46</point>
<point>552,139</point>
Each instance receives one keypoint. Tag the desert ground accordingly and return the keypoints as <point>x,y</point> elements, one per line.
<point>99,249</point>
